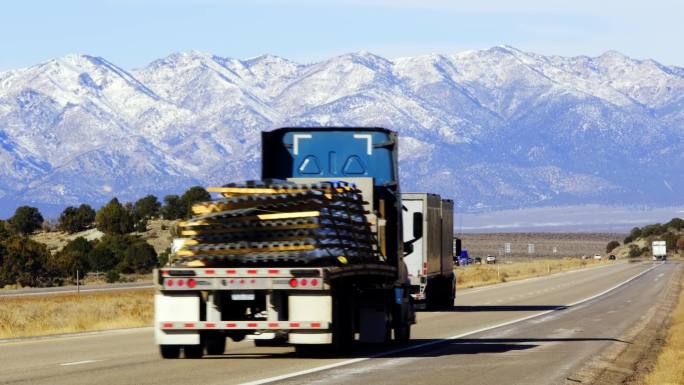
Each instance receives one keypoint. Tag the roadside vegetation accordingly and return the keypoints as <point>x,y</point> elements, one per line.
<point>638,243</point>
<point>486,274</point>
<point>116,250</point>
<point>668,369</point>
<point>72,313</point>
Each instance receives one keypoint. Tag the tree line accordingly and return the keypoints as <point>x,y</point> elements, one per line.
<point>669,232</point>
<point>26,262</point>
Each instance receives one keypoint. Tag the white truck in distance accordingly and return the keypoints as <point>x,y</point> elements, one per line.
<point>659,250</point>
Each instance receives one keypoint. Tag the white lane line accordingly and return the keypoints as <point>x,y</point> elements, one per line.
<point>435,342</point>
<point>79,362</point>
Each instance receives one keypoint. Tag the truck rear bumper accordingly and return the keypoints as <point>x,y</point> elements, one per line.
<point>267,326</point>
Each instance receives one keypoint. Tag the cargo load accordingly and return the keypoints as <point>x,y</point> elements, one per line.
<point>280,223</point>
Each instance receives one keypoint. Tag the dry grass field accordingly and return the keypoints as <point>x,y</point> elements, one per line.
<point>70,313</point>
<point>669,368</point>
<point>566,244</point>
<point>479,275</point>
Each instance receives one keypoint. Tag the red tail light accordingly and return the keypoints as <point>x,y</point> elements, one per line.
<point>181,282</point>
<point>304,282</point>
<point>293,282</point>
<point>314,282</point>
<point>169,282</point>
<point>192,283</point>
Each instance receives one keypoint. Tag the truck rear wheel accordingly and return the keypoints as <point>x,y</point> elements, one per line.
<point>215,344</point>
<point>193,351</point>
<point>169,351</point>
<point>343,325</point>
<point>402,333</point>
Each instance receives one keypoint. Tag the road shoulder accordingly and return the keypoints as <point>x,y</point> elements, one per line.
<point>627,364</point>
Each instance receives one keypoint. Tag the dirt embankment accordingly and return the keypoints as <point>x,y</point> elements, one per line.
<point>158,234</point>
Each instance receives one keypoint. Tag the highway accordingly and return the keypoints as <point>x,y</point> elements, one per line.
<point>537,331</point>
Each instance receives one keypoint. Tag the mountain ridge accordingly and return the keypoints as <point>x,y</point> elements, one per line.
<point>497,128</point>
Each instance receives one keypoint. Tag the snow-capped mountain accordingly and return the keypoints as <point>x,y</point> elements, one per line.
<point>494,129</point>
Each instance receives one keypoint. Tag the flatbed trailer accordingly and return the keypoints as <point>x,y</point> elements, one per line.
<point>301,303</point>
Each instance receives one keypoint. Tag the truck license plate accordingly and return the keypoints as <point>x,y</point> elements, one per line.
<point>242,296</point>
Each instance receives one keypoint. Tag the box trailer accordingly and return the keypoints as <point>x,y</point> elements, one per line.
<point>430,261</point>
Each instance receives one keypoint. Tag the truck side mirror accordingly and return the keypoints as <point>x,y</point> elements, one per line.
<point>417,225</point>
<point>408,248</point>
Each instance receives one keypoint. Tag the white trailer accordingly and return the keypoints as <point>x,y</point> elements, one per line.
<point>659,249</point>
<point>430,263</point>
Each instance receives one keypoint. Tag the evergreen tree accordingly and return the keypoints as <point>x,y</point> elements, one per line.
<point>139,257</point>
<point>75,256</point>
<point>193,195</point>
<point>74,219</point>
<point>113,218</point>
<point>174,207</point>
<point>24,262</point>
<point>147,207</point>
<point>26,220</point>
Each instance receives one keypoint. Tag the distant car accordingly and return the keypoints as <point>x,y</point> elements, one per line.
<point>490,259</point>
<point>585,257</point>
<point>598,257</point>
<point>478,260</point>
<point>611,257</point>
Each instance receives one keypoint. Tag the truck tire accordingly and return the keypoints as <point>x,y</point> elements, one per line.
<point>402,333</point>
<point>170,351</point>
<point>343,325</point>
<point>193,351</point>
<point>215,344</point>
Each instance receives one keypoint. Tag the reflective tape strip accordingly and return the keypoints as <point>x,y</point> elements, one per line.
<point>217,273</point>
<point>246,325</point>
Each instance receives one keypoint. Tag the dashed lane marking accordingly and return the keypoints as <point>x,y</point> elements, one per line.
<point>79,362</point>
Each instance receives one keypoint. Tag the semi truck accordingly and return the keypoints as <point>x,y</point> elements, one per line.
<point>430,262</point>
<point>322,294</point>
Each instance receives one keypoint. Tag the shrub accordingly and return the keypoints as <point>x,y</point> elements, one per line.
<point>26,219</point>
<point>163,258</point>
<point>101,258</point>
<point>611,246</point>
<point>74,219</point>
<point>141,226</point>
<point>670,240</point>
<point>634,251</point>
<point>112,276</point>
<point>680,243</point>
<point>24,261</point>
<point>5,232</point>
<point>113,218</point>
<point>139,257</point>
<point>74,256</point>
<point>675,223</point>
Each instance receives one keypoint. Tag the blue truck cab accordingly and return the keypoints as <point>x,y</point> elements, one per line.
<point>365,156</point>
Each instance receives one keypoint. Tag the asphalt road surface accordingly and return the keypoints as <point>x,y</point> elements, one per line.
<point>537,331</point>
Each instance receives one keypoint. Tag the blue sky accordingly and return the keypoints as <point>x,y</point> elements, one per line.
<point>133,33</point>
